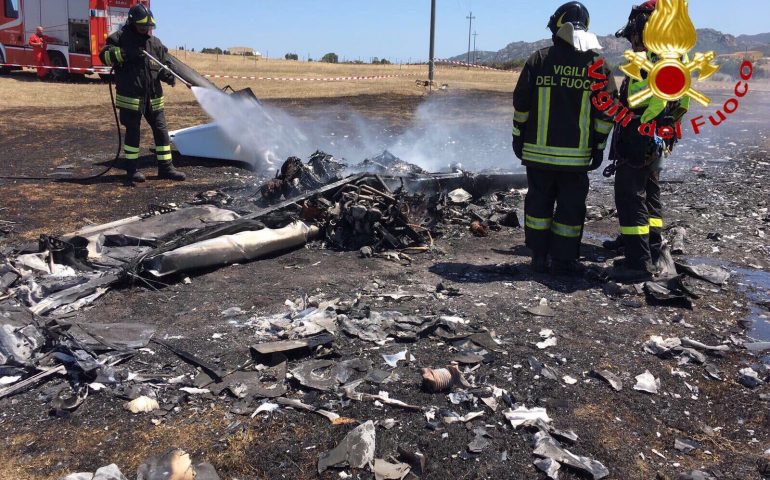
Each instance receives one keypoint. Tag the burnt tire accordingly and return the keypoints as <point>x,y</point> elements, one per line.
<point>58,60</point>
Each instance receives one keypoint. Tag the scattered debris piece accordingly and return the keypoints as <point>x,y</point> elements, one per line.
<point>685,445</point>
<point>450,417</point>
<point>356,450</point>
<point>142,404</point>
<point>608,377</point>
<point>460,196</point>
<point>414,458</point>
<point>711,274</point>
<point>289,402</point>
<point>549,466</point>
<point>749,378</point>
<point>523,416</point>
<point>442,379</point>
<point>547,447</point>
<point>290,345</point>
<point>646,382</point>
<point>390,471</point>
<point>175,464</point>
<point>392,360</point>
<point>677,240</point>
<point>542,309</point>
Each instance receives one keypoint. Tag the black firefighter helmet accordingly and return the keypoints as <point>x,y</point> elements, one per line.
<point>141,16</point>
<point>571,12</point>
<point>637,20</point>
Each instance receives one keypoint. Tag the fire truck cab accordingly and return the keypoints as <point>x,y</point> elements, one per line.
<point>76,31</point>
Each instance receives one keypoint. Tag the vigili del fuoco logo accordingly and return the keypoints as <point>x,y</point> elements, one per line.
<point>670,34</point>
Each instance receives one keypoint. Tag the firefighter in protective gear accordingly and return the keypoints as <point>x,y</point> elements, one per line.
<point>639,161</point>
<point>39,43</point>
<point>139,91</point>
<point>559,136</point>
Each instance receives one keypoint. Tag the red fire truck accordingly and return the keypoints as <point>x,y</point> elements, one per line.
<point>76,31</point>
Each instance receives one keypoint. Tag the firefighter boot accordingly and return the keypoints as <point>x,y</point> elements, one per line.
<point>625,272</point>
<point>166,170</point>
<point>540,263</point>
<point>615,245</point>
<point>567,268</point>
<point>132,174</point>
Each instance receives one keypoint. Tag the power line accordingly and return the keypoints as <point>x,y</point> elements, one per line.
<point>432,59</point>
<point>470,18</point>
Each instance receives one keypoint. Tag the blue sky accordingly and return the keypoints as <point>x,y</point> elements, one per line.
<point>399,29</point>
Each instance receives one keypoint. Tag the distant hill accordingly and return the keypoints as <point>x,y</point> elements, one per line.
<point>708,39</point>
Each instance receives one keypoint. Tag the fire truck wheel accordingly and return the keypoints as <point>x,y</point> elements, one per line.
<point>106,77</point>
<point>57,60</point>
<point>3,70</point>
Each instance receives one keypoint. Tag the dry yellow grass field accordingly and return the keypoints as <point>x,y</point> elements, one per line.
<point>18,90</point>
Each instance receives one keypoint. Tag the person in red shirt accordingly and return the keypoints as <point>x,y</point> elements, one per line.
<point>39,45</point>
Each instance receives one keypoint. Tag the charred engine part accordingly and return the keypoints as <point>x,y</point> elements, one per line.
<point>365,215</point>
<point>296,177</point>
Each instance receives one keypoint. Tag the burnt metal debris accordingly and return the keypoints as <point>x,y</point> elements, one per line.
<point>382,207</point>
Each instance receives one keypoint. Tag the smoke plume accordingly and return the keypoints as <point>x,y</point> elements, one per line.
<point>445,130</point>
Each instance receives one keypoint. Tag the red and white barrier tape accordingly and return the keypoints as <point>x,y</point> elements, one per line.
<point>239,77</point>
<point>79,69</point>
<point>463,64</point>
<point>320,79</point>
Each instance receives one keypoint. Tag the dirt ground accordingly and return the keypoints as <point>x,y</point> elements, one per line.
<point>632,433</point>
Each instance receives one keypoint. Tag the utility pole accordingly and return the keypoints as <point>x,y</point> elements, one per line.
<point>470,18</point>
<point>432,59</point>
<point>475,56</point>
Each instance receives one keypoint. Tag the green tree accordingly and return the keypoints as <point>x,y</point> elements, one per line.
<point>330,58</point>
<point>291,56</point>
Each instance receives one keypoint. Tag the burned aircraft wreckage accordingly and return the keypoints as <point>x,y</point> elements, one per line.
<point>382,206</point>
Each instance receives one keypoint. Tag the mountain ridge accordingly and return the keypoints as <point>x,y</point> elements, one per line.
<point>709,39</point>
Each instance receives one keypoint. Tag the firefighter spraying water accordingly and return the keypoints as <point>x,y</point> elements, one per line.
<point>139,91</point>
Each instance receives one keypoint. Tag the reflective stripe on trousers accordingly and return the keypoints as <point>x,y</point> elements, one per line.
<point>538,223</point>
<point>131,153</point>
<point>568,231</point>
<point>163,153</point>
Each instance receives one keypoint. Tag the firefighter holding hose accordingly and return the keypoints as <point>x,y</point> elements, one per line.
<point>139,91</point>
<point>560,136</point>
<point>638,163</point>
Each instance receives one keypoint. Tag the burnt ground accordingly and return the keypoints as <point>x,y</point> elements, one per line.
<point>595,330</point>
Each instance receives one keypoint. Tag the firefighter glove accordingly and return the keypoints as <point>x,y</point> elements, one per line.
<point>597,158</point>
<point>518,146</point>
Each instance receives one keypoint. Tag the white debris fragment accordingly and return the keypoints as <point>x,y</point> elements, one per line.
<point>460,196</point>
<point>266,407</point>
<point>195,391</point>
<point>393,360</point>
<point>523,416</point>
<point>143,404</point>
<point>9,380</point>
<point>454,418</point>
<point>550,342</point>
<point>569,380</point>
<point>646,382</point>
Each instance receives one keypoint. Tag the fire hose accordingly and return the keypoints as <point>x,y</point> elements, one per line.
<point>111,164</point>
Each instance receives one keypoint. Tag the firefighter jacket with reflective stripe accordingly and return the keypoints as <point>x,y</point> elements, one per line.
<point>554,116</point>
<point>628,145</point>
<point>137,78</point>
